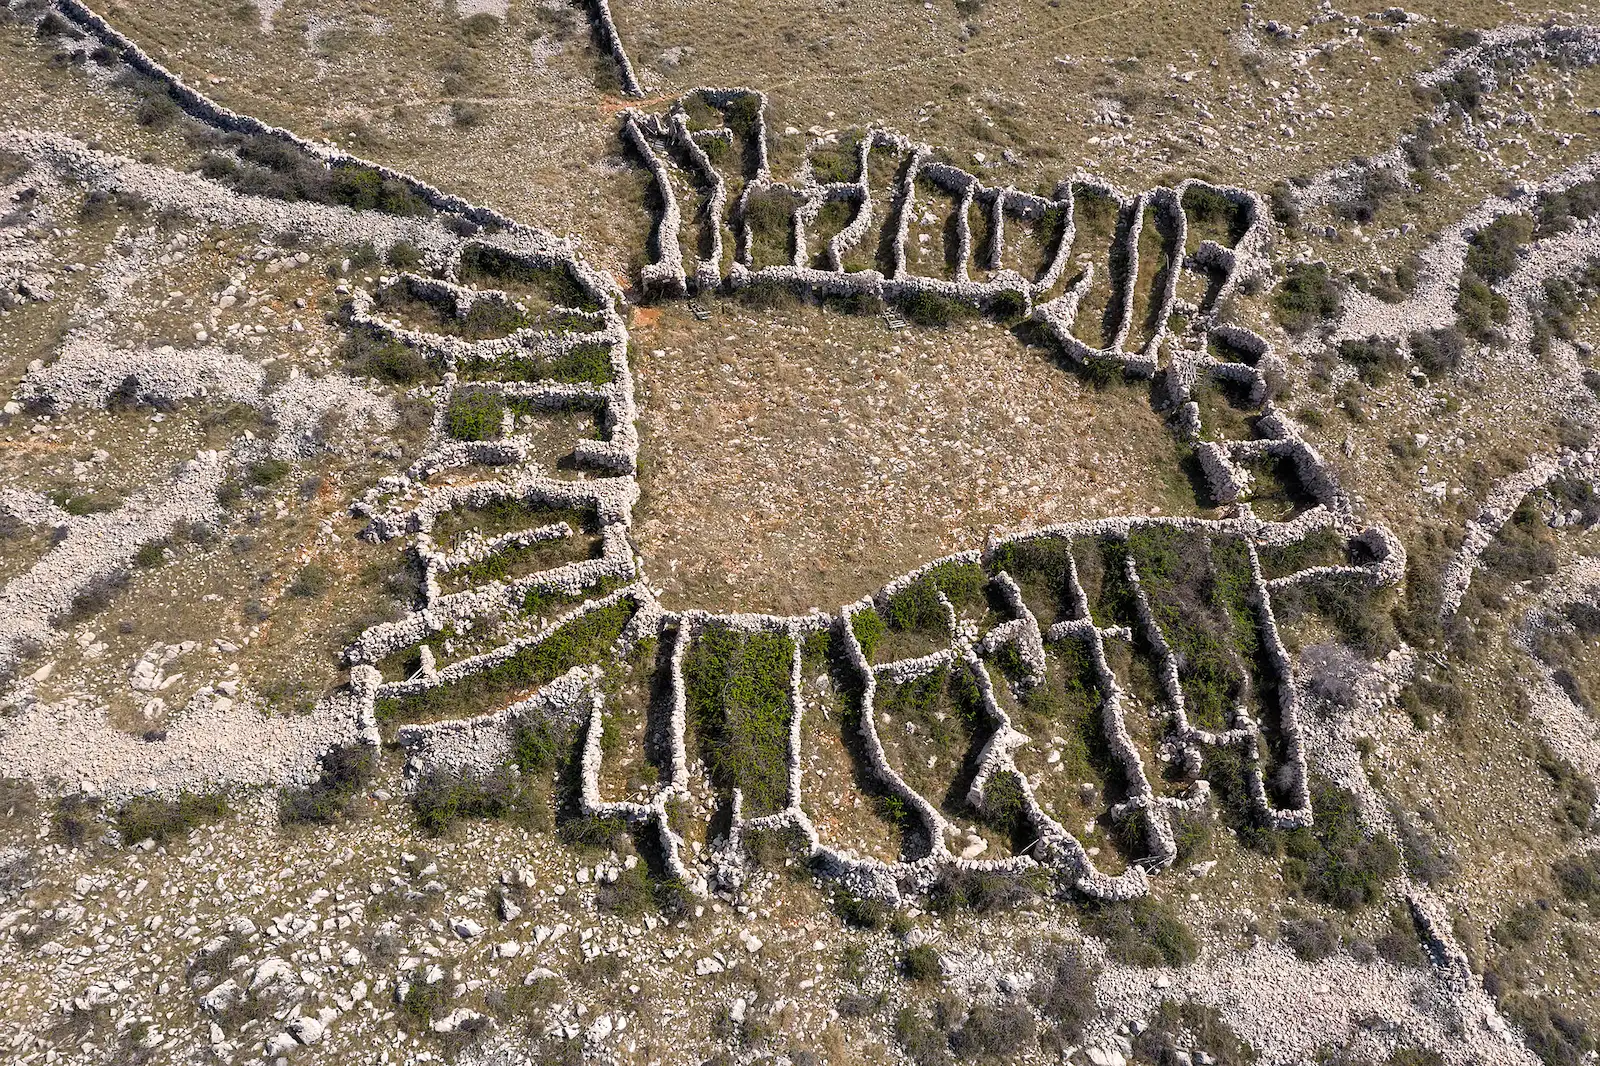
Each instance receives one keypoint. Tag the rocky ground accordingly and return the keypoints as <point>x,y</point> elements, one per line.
<point>241,819</point>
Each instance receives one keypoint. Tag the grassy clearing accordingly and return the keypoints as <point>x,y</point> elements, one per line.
<point>932,729</point>
<point>586,364</point>
<point>1193,601</point>
<point>1098,222</point>
<point>538,287</point>
<point>582,640</point>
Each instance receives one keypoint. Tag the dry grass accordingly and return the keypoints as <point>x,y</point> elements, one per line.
<point>895,448</point>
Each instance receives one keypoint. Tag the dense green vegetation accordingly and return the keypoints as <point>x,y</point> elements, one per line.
<point>737,686</point>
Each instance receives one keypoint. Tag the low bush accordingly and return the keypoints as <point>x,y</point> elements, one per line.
<point>145,818</point>
<point>861,913</point>
<point>267,472</point>
<point>582,640</point>
<point>917,606</point>
<point>1557,1037</point>
<point>1142,932</point>
<point>737,692</point>
<point>923,1037</point>
<point>1285,209</point>
<point>1336,860</point>
<point>1479,308</point>
<point>268,166</point>
<point>1311,939</point>
<point>1377,188</point>
<point>1176,1031</point>
<point>630,896</point>
<point>1493,251</point>
<point>1399,943</point>
<point>986,891</point>
<point>443,797</point>
<point>77,819</point>
<point>1374,358</point>
<point>1578,876</point>
<point>1465,90</point>
<point>346,770</point>
<point>1438,351</point>
<point>1307,295</point>
<point>1064,993</point>
<point>994,1030</point>
<point>935,311</point>
<point>921,963</point>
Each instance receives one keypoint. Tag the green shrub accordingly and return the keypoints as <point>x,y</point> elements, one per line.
<point>917,606</point>
<point>1398,942</point>
<point>1374,358</point>
<point>1377,188</point>
<point>81,504</point>
<point>266,472</point>
<point>1142,932</point>
<point>1557,209</point>
<point>384,359</point>
<point>403,255</point>
<point>1285,211</point>
<point>861,913</point>
<point>935,311</point>
<point>737,689</point>
<point>474,416</point>
<point>585,363</point>
<point>836,163</point>
<point>538,746</point>
<point>1002,801</point>
<point>630,896</point>
<point>443,797</point>
<point>346,770</point>
<point>1308,295</point>
<point>921,963</point>
<point>1479,307</point>
<point>1492,251</point>
<point>145,818</point>
<point>1336,860</point>
<point>924,1040</point>
<point>1465,90</point>
<point>554,282</point>
<point>869,628</point>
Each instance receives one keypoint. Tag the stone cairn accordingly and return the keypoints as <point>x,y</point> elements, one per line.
<point>411,503</point>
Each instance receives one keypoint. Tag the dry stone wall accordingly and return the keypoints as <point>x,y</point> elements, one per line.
<point>409,503</point>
